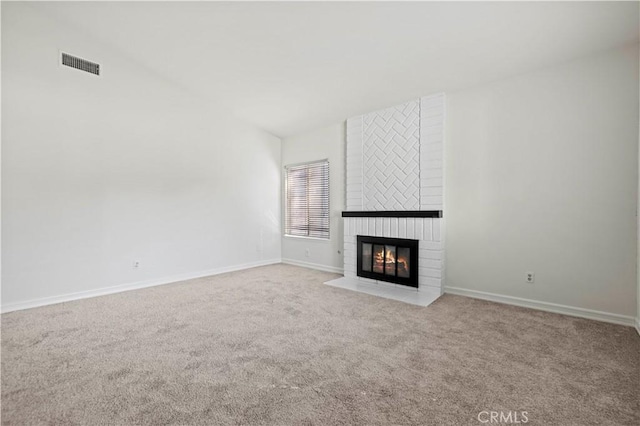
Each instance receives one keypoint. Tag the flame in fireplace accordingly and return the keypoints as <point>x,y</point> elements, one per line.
<point>390,258</point>
<point>382,258</point>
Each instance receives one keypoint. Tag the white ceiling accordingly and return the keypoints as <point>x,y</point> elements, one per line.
<point>289,67</point>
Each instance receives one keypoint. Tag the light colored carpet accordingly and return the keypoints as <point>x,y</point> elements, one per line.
<point>272,345</point>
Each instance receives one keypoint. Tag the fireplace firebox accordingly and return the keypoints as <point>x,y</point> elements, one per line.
<point>393,260</point>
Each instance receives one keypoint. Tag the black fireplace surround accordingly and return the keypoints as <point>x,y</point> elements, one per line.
<point>393,260</point>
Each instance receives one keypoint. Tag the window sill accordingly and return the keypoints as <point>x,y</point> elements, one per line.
<point>299,237</point>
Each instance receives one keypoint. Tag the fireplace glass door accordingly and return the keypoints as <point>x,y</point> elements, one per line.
<point>388,259</point>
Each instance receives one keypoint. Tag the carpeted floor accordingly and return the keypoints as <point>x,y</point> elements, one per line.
<point>273,345</point>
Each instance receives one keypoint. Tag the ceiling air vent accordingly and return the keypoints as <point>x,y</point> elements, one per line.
<point>81,64</point>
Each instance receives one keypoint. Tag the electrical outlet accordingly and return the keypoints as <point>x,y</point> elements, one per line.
<point>530,277</point>
<point>307,253</point>
<point>136,264</point>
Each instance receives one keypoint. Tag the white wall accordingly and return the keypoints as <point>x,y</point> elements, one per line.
<point>99,172</point>
<point>327,142</point>
<point>541,175</point>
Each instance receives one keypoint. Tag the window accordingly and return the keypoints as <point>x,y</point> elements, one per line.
<point>307,200</point>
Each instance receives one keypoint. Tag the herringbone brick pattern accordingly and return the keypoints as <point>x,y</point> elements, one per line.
<point>391,154</point>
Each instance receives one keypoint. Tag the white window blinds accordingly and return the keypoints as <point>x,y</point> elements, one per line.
<point>307,200</point>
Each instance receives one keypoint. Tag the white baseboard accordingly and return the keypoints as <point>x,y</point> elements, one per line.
<point>638,324</point>
<point>34,303</point>
<point>310,265</point>
<point>545,306</point>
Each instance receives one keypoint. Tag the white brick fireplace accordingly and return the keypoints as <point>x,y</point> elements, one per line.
<point>426,230</point>
<point>394,189</point>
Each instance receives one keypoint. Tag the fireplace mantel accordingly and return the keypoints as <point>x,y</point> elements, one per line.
<point>394,213</point>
